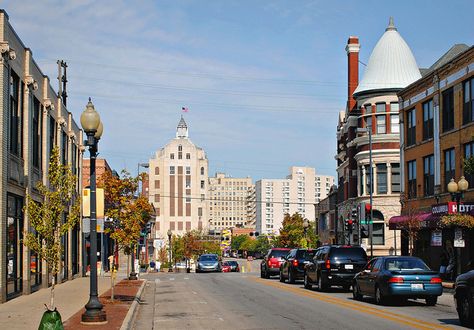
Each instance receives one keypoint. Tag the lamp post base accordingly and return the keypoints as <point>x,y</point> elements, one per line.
<point>94,317</point>
<point>133,276</point>
<point>170,270</point>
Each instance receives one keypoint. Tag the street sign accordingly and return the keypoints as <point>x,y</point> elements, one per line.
<point>86,225</point>
<point>436,238</point>
<point>458,238</point>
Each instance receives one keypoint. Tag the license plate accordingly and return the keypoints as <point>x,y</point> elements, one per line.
<point>349,266</point>
<point>417,286</point>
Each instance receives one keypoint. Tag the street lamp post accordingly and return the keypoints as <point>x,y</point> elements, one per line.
<point>170,268</point>
<point>90,122</point>
<point>305,228</point>
<point>368,130</point>
<point>457,193</point>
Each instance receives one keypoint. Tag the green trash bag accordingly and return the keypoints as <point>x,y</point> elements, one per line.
<point>51,320</point>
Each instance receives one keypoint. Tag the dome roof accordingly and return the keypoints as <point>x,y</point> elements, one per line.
<point>391,64</point>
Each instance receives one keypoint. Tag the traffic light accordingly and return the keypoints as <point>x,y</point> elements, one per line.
<point>364,215</point>
<point>348,225</point>
<point>354,214</point>
<point>254,233</point>
<point>364,231</point>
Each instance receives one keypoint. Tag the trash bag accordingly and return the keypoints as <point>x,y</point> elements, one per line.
<point>51,320</point>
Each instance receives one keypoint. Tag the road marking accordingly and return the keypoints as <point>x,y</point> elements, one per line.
<point>398,318</point>
<point>221,319</point>
<point>194,292</point>
<point>171,278</point>
<point>157,280</point>
<point>186,278</point>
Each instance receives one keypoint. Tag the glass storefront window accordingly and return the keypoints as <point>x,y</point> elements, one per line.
<point>14,251</point>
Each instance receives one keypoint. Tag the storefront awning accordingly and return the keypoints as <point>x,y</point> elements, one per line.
<point>428,219</point>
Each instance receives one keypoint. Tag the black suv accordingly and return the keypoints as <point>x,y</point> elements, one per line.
<point>293,264</point>
<point>334,265</point>
<point>464,298</point>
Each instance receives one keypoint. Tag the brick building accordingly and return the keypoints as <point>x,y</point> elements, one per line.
<point>437,115</point>
<point>101,166</point>
<point>33,120</point>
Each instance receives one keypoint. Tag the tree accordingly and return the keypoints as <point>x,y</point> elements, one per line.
<point>237,241</point>
<point>130,212</point>
<point>292,233</point>
<point>263,244</point>
<point>46,217</point>
<point>410,228</point>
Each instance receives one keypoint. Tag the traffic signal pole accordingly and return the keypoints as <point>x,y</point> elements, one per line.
<point>371,223</point>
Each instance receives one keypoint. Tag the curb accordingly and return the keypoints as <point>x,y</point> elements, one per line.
<point>127,322</point>
<point>448,285</point>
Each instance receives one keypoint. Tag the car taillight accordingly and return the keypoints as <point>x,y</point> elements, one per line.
<point>269,263</point>
<point>396,279</point>
<point>436,280</point>
<point>295,263</point>
<point>328,264</point>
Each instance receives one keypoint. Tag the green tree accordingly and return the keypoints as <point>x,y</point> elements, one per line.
<point>237,241</point>
<point>263,244</point>
<point>46,217</point>
<point>292,234</point>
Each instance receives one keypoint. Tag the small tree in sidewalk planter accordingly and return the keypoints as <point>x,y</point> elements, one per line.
<point>46,217</point>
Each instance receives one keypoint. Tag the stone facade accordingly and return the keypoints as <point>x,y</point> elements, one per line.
<point>33,120</point>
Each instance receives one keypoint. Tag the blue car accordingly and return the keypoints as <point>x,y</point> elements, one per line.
<point>397,277</point>
<point>208,263</point>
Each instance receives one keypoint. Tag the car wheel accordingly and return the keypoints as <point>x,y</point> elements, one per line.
<point>356,292</point>
<point>431,301</point>
<point>322,285</point>
<point>262,274</point>
<point>282,279</point>
<point>266,274</point>
<point>379,298</point>
<point>465,307</point>
<point>307,283</point>
<point>291,277</point>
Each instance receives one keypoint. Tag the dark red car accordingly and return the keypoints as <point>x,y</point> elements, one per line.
<point>226,268</point>
<point>272,261</point>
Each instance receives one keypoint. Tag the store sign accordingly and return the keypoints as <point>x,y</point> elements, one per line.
<point>452,208</point>
<point>436,238</point>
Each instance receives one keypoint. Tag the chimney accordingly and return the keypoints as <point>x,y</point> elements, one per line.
<point>352,50</point>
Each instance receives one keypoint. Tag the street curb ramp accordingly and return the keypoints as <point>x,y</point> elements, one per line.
<point>127,322</point>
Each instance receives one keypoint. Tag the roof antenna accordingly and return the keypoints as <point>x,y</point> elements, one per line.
<point>391,25</point>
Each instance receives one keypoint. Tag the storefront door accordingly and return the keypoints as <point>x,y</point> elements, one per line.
<point>14,246</point>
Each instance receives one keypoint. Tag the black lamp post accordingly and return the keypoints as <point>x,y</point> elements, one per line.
<point>305,226</point>
<point>457,193</point>
<point>170,268</point>
<point>90,122</point>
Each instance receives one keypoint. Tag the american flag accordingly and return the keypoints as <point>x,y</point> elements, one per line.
<point>184,109</point>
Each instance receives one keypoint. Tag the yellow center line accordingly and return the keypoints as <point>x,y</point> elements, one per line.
<point>398,318</point>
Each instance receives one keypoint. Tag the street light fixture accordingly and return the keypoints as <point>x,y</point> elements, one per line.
<point>90,122</point>
<point>368,130</point>
<point>305,226</point>
<point>170,268</point>
<point>457,193</point>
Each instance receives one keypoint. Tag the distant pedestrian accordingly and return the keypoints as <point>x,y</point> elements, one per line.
<point>152,265</point>
<point>444,261</point>
<point>450,269</point>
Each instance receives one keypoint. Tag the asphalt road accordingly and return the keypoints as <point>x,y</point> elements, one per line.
<point>245,301</point>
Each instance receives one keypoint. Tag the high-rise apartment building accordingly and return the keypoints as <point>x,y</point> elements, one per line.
<point>299,192</point>
<point>178,185</point>
<point>228,201</point>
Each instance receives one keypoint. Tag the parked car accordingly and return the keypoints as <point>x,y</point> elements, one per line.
<point>270,264</point>
<point>234,265</point>
<point>464,298</point>
<point>292,267</point>
<point>334,265</point>
<point>226,268</point>
<point>208,263</point>
<point>397,276</point>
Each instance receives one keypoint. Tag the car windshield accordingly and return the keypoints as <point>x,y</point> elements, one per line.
<point>353,253</point>
<point>232,263</point>
<point>305,254</point>
<point>405,264</point>
<point>278,253</point>
<point>208,258</point>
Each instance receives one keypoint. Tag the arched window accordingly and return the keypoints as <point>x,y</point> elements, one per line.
<point>202,170</point>
<point>180,148</point>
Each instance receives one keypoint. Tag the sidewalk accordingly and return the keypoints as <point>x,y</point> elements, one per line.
<point>25,312</point>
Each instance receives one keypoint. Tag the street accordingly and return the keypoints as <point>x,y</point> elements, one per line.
<point>245,301</point>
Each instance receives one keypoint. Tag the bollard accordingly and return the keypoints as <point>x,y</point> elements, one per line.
<point>243,269</point>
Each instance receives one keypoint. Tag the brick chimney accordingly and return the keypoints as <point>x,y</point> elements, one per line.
<point>352,50</point>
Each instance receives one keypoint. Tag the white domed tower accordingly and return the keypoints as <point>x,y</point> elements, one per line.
<point>391,67</point>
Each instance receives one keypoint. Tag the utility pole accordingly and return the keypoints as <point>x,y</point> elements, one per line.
<point>62,79</point>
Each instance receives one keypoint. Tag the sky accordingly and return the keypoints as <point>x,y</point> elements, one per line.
<point>263,80</point>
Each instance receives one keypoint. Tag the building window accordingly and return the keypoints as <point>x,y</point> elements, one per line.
<point>428,120</point>
<point>368,109</point>
<point>188,170</point>
<point>14,248</point>
<point>180,148</point>
<point>180,155</point>
<point>381,178</point>
<point>395,177</point>
<point>411,127</point>
<point>171,156</point>
<point>172,170</point>
<point>469,152</point>
<point>157,184</point>
<point>157,171</point>
<point>368,122</point>
<point>188,182</point>
<point>468,107</point>
<point>395,123</point>
<point>52,134</point>
<point>394,107</point>
<point>188,155</point>
<point>64,145</point>
<point>380,107</point>
<point>448,110</point>
<point>378,237</point>
<point>449,166</point>
<point>411,179</point>
<point>428,175</point>
<point>368,183</point>
<point>202,184</point>
<point>36,133</point>
<point>202,170</point>
<point>15,113</point>
<point>381,129</point>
